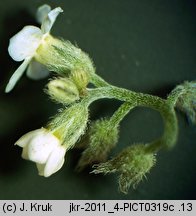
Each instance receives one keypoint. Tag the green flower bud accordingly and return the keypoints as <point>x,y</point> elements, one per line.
<point>81,79</point>
<point>184,97</point>
<point>132,163</point>
<point>62,90</point>
<point>103,137</point>
<point>187,101</point>
<point>70,124</point>
<point>62,57</point>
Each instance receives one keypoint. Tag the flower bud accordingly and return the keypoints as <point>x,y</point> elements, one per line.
<point>81,79</point>
<point>132,163</point>
<point>62,90</point>
<point>187,101</point>
<point>103,137</point>
<point>184,96</point>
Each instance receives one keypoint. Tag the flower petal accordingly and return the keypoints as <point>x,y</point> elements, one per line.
<point>42,12</point>
<point>26,138</point>
<point>55,161</point>
<point>41,146</point>
<point>25,43</point>
<point>17,75</point>
<point>25,153</point>
<point>37,71</point>
<point>50,19</point>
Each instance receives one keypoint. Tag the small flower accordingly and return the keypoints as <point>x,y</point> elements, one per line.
<point>47,147</point>
<point>24,44</point>
<point>43,148</point>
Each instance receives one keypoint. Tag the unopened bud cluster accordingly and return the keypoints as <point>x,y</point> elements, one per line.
<point>103,137</point>
<point>187,100</point>
<point>133,163</point>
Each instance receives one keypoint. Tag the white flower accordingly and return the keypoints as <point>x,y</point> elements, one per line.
<point>24,44</point>
<point>43,148</point>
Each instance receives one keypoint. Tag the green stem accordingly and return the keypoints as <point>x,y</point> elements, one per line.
<point>139,99</point>
<point>123,109</point>
<point>98,81</point>
<point>170,134</point>
<point>175,94</point>
<point>121,112</point>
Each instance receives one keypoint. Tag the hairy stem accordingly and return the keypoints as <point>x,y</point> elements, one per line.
<point>139,99</point>
<point>121,112</point>
<point>98,81</point>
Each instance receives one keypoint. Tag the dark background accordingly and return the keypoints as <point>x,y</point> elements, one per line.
<point>146,46</point>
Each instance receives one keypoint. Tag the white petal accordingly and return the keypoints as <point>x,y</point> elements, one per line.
<point>25,153</point>
<point>42,12</point>
<point>25,43</point>
<point>17,75</point>
<point>37,71</point>
<point>41,146</point>
<point>50,19</point>
<point>55,161</point>
<point>25,139</point>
